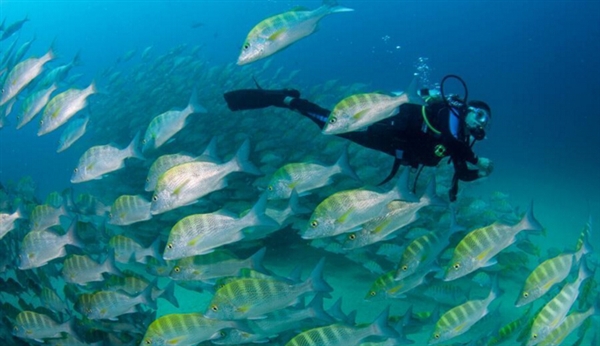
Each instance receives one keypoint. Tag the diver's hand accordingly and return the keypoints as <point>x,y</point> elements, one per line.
<point>486,166</point>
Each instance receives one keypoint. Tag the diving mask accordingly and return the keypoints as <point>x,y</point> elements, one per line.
<point>477,120</point>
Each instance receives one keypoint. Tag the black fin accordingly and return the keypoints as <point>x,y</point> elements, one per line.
<point>392,173</point>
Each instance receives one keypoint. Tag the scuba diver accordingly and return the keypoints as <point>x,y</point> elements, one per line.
<point>417,135</point>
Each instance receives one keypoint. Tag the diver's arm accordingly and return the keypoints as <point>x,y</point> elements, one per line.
<point>463,172</point>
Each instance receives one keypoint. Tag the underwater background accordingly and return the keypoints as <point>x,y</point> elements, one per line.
<point>534,62</point>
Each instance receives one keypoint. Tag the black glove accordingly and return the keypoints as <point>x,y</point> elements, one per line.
<point>258,98</point>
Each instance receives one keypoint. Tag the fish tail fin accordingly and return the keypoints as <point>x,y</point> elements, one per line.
<point>70,224</point>
<point>77,59</point>
<point>430,196</point>
<point>455,227</point>
<point>495,290</point>
<point>146,294</point>
<point>333,7</point>
<point>256,260</point>
<point>20,212</point>
<point>343,164</point>
<point>242,159</point>
<point>529,222</point>
<point>381,327</point>
<point>168,294</point>
<point>211,150</point>
<point>154,250</point>
<point>109,264</point>
<point>315,307</point>
<point>583,244</point>
<point>92,89</point>
<point>401,189</point>
<point>316,278</point>
<point>257,214</point>
<point>294,204</point>
<point>133,149</point>
<point>584,272</point>
<point>193,105</point>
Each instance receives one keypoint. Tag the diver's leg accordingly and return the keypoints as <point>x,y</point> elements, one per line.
<point>310,110</point>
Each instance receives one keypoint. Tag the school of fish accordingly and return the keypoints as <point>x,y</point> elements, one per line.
<point>187,224</point>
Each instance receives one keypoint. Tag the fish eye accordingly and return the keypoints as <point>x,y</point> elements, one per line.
<point>41,122</point>
<point>246,45</point>
<point>214,308</point>
<point>176,269</point>
<point>525,294</point>
<point>148,341</point>
<point>270,188</point>
<point>76,170</point>
<point>405,267</point>
<point>456,266</point>
<point>155,198</point>
<point>147,180</point>
<point>372,293</point>
<point>170,246</point>
<point>223,334</point>
<point>332,120</point>
<point>437,336</point>
<point>534,336</point>
<point>352,236</point>
<point>314,224</point>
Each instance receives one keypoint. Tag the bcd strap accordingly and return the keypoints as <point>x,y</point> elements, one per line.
<point>453,189</point>
<point>395,168</point>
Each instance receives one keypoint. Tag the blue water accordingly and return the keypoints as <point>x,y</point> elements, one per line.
<point>536,63</point>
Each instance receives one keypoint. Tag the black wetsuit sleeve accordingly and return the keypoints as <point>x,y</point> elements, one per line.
<point>463,172</point>
<point>310,110</point>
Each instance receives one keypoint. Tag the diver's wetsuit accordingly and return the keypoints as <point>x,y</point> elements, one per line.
<point>408,137</point>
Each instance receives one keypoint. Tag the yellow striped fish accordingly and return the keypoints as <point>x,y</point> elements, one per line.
<point>422,252</point>
<point>460,319</point>
<point>386,287</point>
<point>33,104</point>
<point>199,268</point>
<point>184,184</point>
<point>571,322</point>
<point>109,305</point>
<point>549,273</point>
<point>22,74</point>
<point>555,311</point>
<point>510,329</point>
<point>52,301</point>
<point>345,211</point>
<point>127,210</point>
<point>277,32</point>
<point>7,221</point>
<point>126,249</point>
<point>82,269</point>
<point>161,165</point>
<point>63,107</point>
<point>305,176</point>
<point>167,124</point>
<point>254,298</point>
<point>478,248</point>
<point>185,329</point>
<point>44,216</point>
<point>36,326</point>
<point>38,248</point>
<point>201,233</point>
<point>358,111</point>
<point>338,334</point>
<point>398,215</point>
